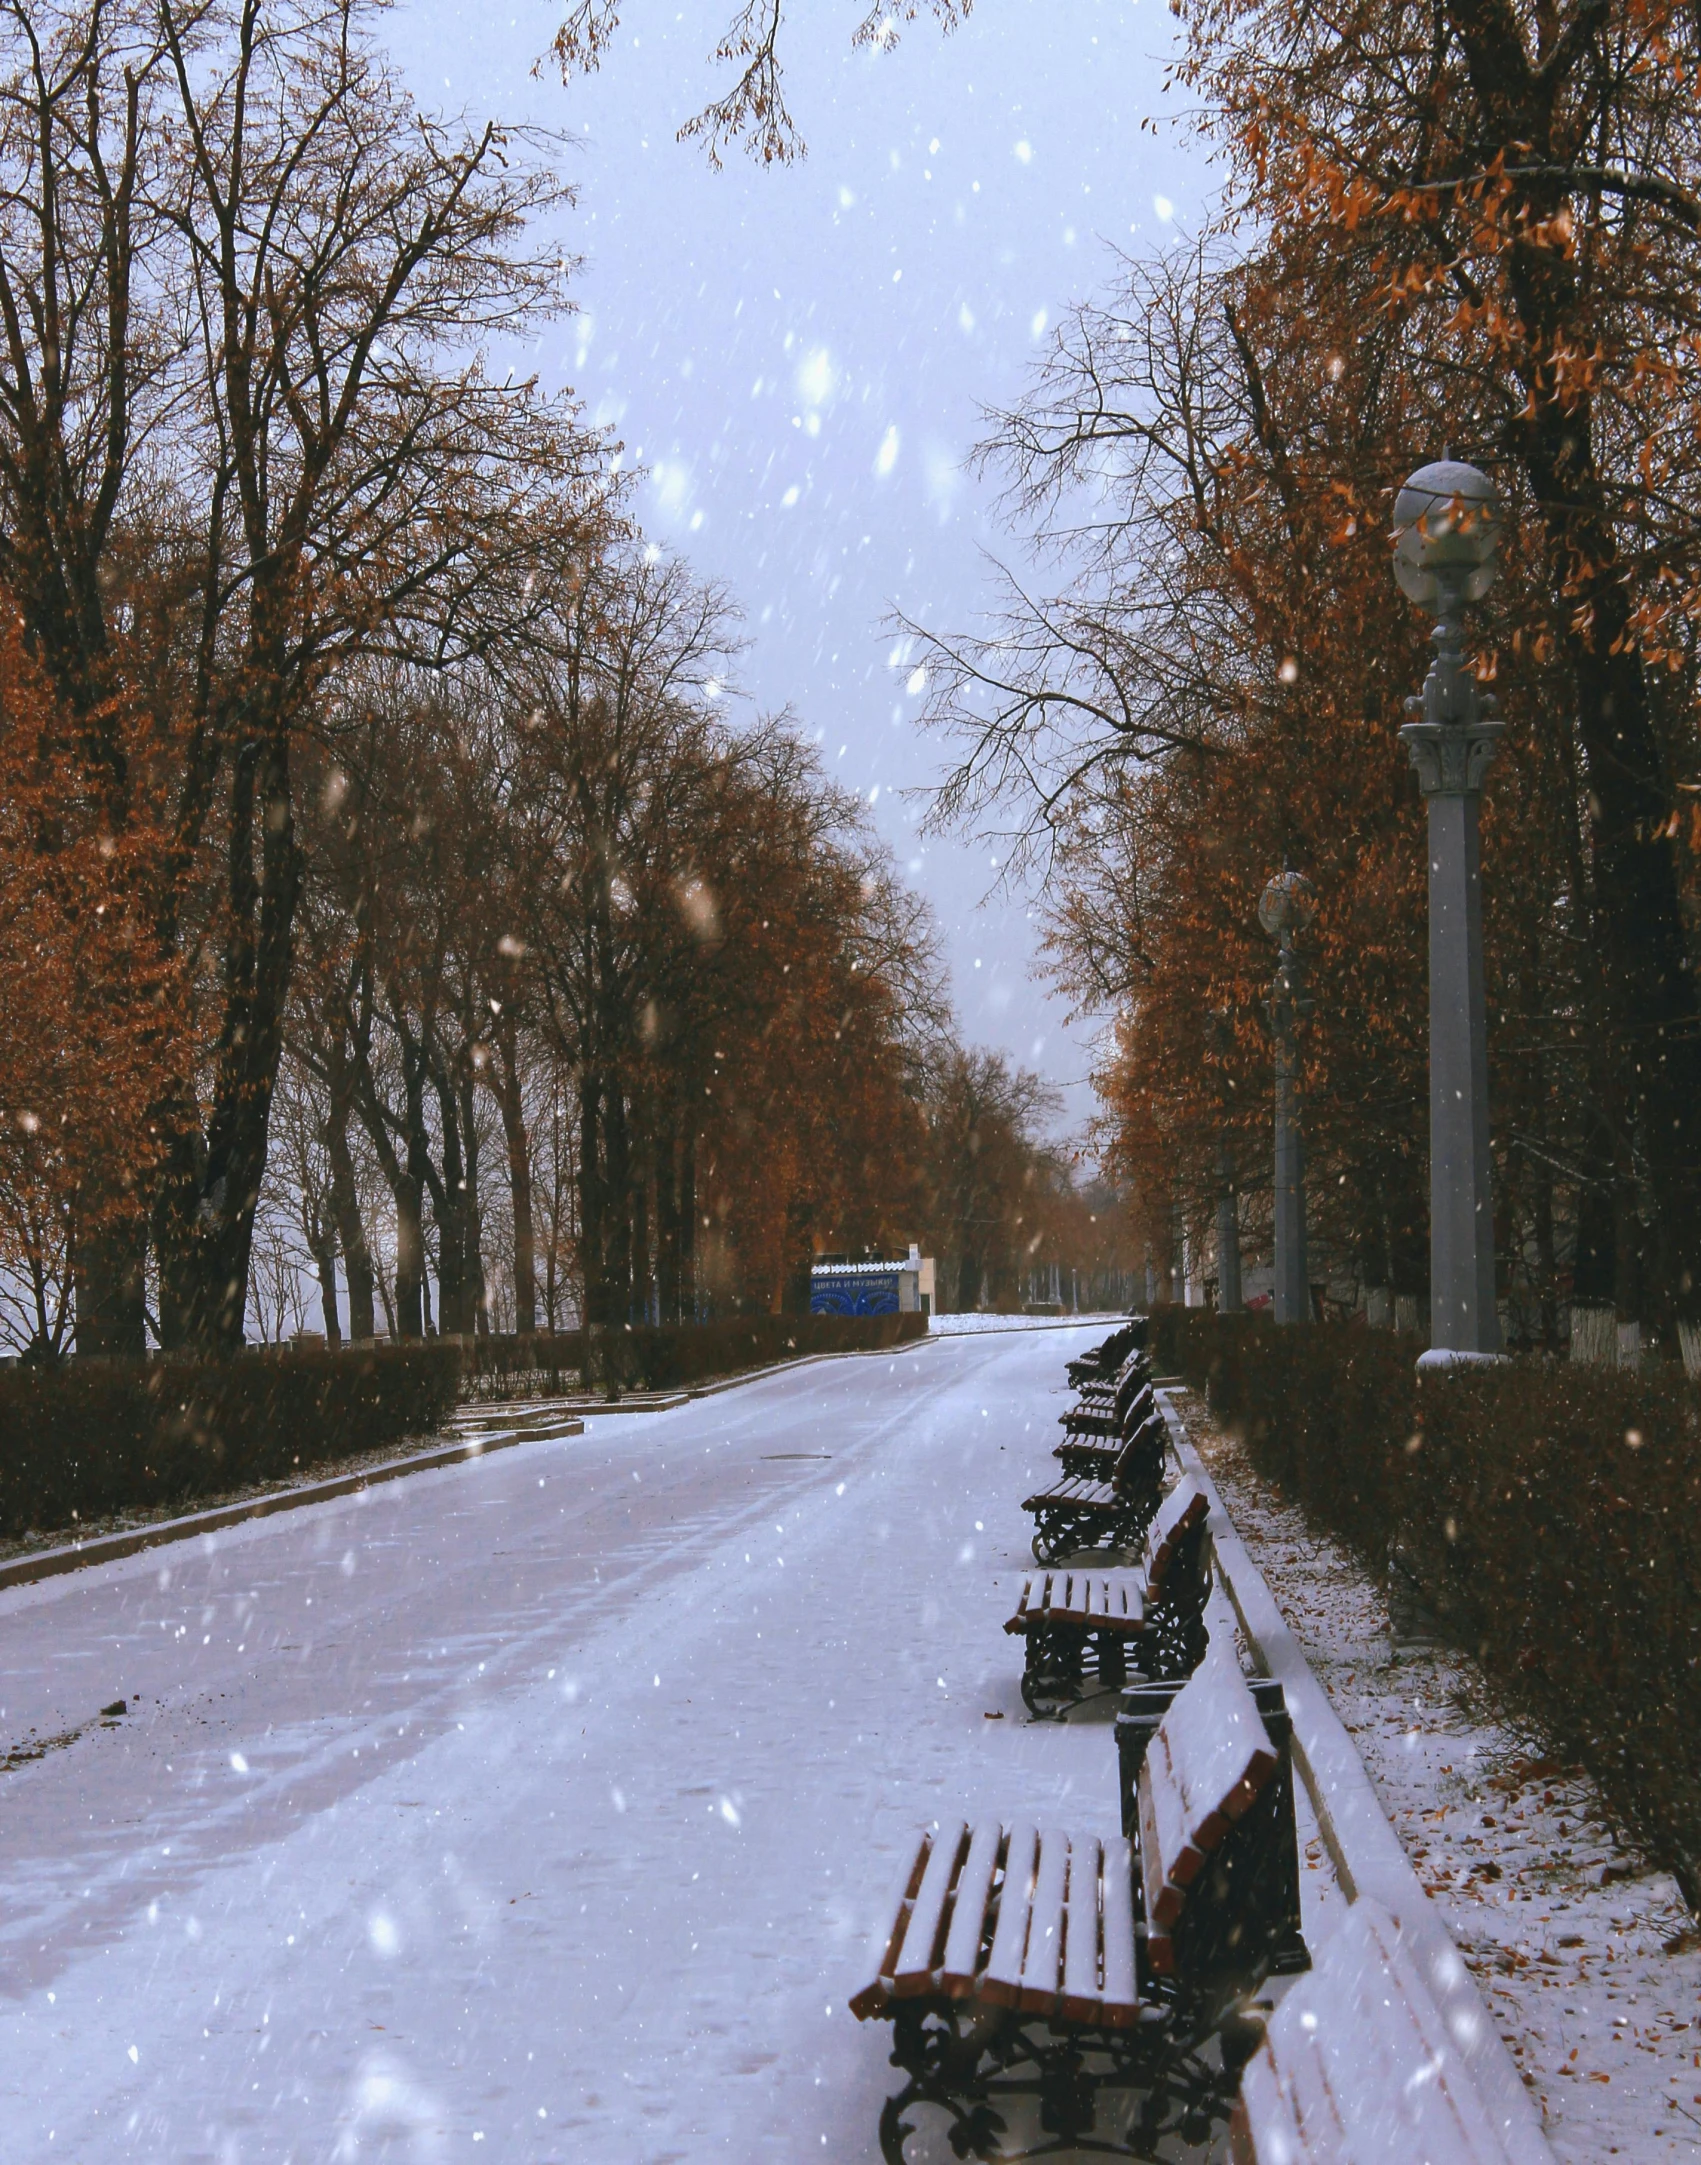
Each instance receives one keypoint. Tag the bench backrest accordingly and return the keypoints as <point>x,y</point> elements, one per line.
<point>1268,1829</point>
<point>1176,1532</point>
<point>1206,1765</point>
<point>1140,1461</point>
<point>1128,1338</point>
<point>1357,2063</point>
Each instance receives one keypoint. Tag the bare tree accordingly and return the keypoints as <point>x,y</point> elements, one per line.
<point>245,436</point>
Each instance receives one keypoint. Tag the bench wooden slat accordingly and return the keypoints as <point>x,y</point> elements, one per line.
<point>920,1955</point>
<point>1042,1966</point>
<point>889,1934</point>
<point>1096,1604</point>
<point>1002,1981</point>
<point>1357,2063</point>
<point>1081,1934</point>
<point>1118,1990</point>
<point>968,1911</point>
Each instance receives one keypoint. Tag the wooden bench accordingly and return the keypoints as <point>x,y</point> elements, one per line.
<point>1356,2066</point>
<point>1077,1455</point>
<point>1155,1613</point>
<point>1067,1618</point>
<point>1025,1968</point>
<point>1108,1355</point>
<point>1101,1410</point>
<point>1082,1512</point>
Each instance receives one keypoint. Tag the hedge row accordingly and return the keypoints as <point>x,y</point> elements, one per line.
<point>98,1436</point>
<point>660,1357</point>
<point>1551,1516</point>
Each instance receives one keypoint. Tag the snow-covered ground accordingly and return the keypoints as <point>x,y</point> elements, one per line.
<point>971,1322</point>
<point>1586,1955</point>
<point>533,1809</point>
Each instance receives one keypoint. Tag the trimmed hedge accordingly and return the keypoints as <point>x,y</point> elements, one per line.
<point>511,1364</point>
<point>98,1436</point>
<point>1550,1514</point>
<point>663,1357</point>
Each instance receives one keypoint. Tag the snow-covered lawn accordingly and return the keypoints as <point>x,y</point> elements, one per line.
<point>530,1809</point>
<point>973,1321</point>
<point>1585,1953</point>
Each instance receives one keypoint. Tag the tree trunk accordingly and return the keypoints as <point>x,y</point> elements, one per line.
<point>638,1298</point>
<point>389,1308</point>
<point>351,1231</point>
<point>325,1262</point>
<point>478,1292</point>
<point>110,1275</point>
<point>689,1228</point>
<point>668,1230</point>
<point>448,1197</point>
<point>617,1194</point>
<point>204,1220</point>
<point>593,1210</point>
<point>505,1087</point>
<point>409,1319</point>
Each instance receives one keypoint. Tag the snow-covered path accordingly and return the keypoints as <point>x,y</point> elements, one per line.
<point>531,1809</point>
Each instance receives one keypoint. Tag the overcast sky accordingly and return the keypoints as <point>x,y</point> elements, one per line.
<point>798,357</point>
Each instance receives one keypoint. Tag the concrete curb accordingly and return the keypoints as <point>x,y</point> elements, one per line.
<point>1364,1848</point>
<point>108,1548</point>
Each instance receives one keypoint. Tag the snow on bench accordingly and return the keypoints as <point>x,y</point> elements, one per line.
<point>1079,1510</point>
<point>1203,1770</point>
<point>1035,1920</point>
<point>1080,1601</point>
<point>1356,2067</point>
<point>1180,1516</point>
<point>1017,1918</point>
<point>1121,1602</point>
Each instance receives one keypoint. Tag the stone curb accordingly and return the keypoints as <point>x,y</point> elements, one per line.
<point>1366,1852</point>
<point>108,1548</point>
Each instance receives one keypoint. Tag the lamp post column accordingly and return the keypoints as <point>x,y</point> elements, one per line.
<point>1228,1202</point>
<point>1451,739</point>
<point>1286,908</point>
<point>1292,1294</point>
<point>1228,1235</point>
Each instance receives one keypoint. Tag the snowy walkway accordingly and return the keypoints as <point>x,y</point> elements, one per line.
<point>529,1810</point>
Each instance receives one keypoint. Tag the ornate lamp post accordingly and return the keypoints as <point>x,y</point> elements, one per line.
<point>1447,521</point>
<point>1287,906</point>
<point>1228,1207</point>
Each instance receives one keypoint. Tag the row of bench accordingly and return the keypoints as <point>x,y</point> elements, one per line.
<point>1025,1970</point>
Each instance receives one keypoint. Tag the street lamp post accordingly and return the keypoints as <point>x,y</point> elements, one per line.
<point>1228,1205</point>
<point>1287,906</point>
<point>1447,521</point>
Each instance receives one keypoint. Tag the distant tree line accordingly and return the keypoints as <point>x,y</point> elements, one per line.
<point>386,880</point>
